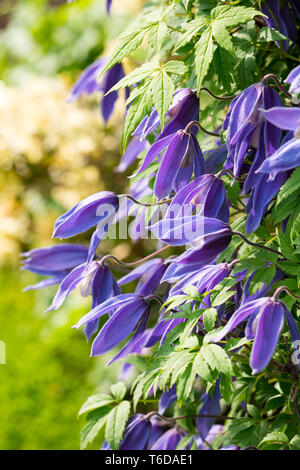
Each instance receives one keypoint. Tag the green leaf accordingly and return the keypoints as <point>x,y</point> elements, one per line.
<point>295,442</point>
<point>185,384</point>
<point>267,34</point>
<point>217,358</point>
<point>275,436</point>
<point>222,297</point>
<point>209,318</point>
<point>224,66</point>
<point>221,35</point>
<point>204,55</point>
<point>95,421</point>
<point>118,391</point>
<point>115,424</point>
<point>95,401</point>
<point>138,109</point>
<point>226,387</point>
<point>233,15</point>
<point>175,66</point>
<point>253,411</point>
<point>162,88</point>
<point>140,73</point>
<point>158,35</point>
<point>193,27</point>
<point>202,369</point>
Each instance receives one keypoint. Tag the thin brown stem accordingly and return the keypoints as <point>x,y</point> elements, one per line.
<point>134,263</point>
<point>175,418</point>
<point>197,123</point>
<point>272,76</point>
<point>221,98</point>
<point>146,204</point>
<point>257,245</point>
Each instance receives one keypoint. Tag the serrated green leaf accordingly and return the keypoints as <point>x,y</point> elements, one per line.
<point>96,419</point>
<point>267,34</point>
<point>193,27</point>
<point>118,390</point>
<point>209,318</point>
<point>95,401</point>
<point>221,35</point>
<point>234,15</point>
<point>162,88</point>
<point>295,442</point>
<point>217,358</point>
<point>138,109</point>
<point>140,73</point>
<point>115,424</point>
<point>275,436</point>
<point>175,66</point>
<point>203,55</point>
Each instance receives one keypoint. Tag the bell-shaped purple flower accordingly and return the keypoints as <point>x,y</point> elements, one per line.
<point>71,281</point>
<point>149,274</point>
<point>294,80</point>
<point>210,406</point>
<point>167,398</point>
<point>246,128</point>
<point>127,310</point>
<point>204,278</point>
<point>184,109</point>
<point>287,157</point>
<point>137,434</point>
<point>134,148</point>
<point>157,430</point>
<point>182,158</point>
<point>102,286</point>
<point>96,209</point>
<point>279,17</point>
<point>108,6</point>
<point>88,83</point>
<point>168,441</point>
<point>265,321</point>
<point>54,259</point>
<point>206,194</point>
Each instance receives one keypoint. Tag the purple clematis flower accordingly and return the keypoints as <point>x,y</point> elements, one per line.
<point>294,80</point>
<point>88,277</point>
<point>279,17</point>
<point>108,6</point>
<point>134,148</point>
<point>287,157</point>
<point>128,312</point>
<point>137,434</point>
<point>98,209</point>
<point>206,193</point>
<point>149,274</point>
<point>210,406</point>
<point>184,109</point>
<point>208,236</point>
<point>157,430</point>
<point>54,261</point>
<point>182,158</point>
<point>169,440</point>
<point>265,321</point>
<point>167,398</point>
<point>102,286</point>
<point>88,83</point>
<point>246,127</point>
<point>204,278</point>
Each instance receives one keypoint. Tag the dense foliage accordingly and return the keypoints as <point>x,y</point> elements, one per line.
<point>211,332</point>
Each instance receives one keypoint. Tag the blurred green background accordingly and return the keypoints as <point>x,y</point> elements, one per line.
<point>51,155</point>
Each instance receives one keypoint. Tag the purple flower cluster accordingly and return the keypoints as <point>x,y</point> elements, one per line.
<point>262,148</point>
